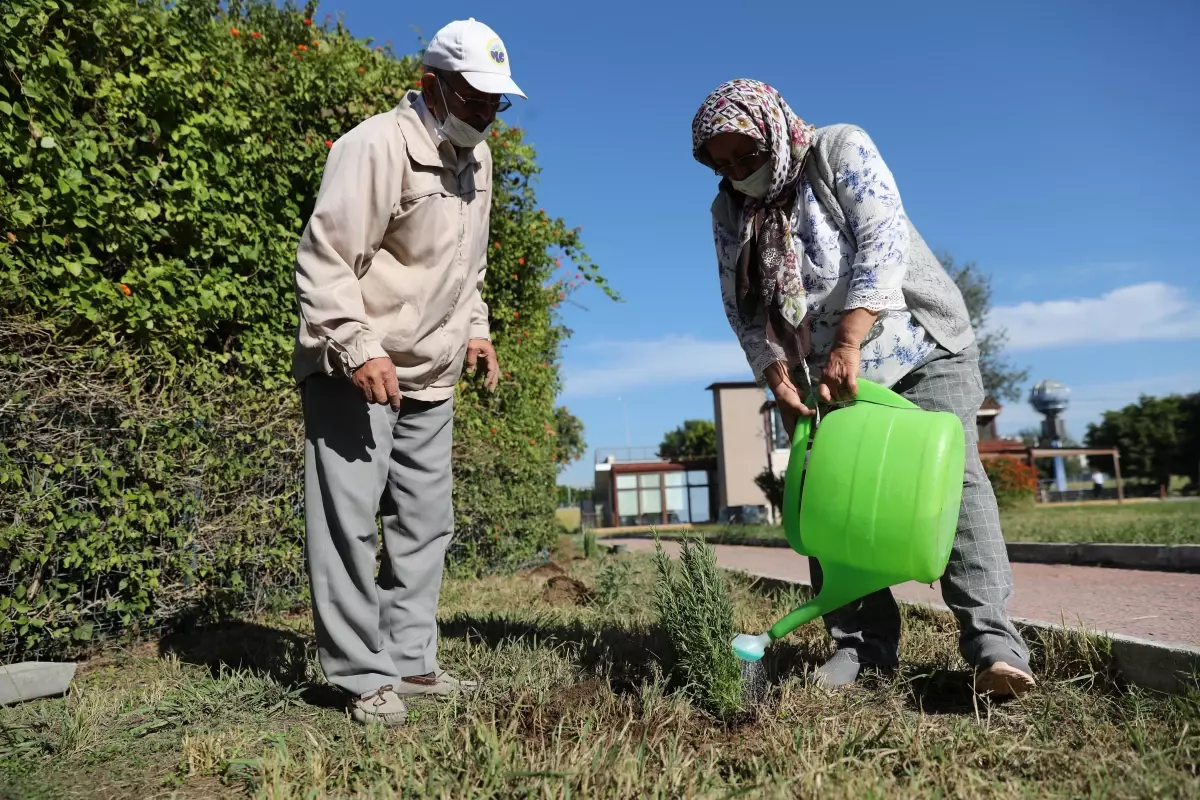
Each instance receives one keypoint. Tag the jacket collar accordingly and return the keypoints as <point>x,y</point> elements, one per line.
<point>421,145</point>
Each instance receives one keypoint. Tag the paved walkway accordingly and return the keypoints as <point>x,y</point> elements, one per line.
<point>1158,606</point>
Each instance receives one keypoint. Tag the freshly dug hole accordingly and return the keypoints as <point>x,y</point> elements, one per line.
<point>563,591</point>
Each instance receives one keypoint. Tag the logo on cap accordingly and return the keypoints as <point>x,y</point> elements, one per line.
<point>496,50</point>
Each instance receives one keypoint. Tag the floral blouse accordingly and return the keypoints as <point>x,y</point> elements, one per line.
<point>837,278</point>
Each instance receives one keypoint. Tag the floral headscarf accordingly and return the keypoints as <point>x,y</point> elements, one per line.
<point>757,110</point>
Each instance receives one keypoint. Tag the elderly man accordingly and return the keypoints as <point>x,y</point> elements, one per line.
<point>388,276</point>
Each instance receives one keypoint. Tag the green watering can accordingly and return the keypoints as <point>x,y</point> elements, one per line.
<point>875,501</point>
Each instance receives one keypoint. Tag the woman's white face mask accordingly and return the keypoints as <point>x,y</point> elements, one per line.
<point>758,184</point>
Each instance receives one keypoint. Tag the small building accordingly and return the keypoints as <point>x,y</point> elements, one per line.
<point>634,487</point>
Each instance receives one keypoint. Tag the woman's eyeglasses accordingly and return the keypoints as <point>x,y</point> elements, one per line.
<point>752,161</point>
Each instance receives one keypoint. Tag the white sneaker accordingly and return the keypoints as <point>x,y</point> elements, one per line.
<point>433,683</point>
<point>381,707</point>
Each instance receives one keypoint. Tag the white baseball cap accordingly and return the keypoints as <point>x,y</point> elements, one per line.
<point>474,51</point>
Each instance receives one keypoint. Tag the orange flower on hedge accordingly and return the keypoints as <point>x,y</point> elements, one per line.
<point>234,31</point>
<point>496,245</point>
<point>125,290</point>
<point>557,262</point>
<point>515,276</point>
<point>308,22</point>
<point>256,35</point>
<point>302,47</point>
<point>329,143</point>
<point>362,69</point>
<point>516,314</point>
<point>521,261</point>
<point>12,237</point>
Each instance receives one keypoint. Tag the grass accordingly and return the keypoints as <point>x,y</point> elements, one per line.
<point>1133,523</point>
<point>575,704</point>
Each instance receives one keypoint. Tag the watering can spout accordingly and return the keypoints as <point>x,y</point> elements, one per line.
<point>841,586</point>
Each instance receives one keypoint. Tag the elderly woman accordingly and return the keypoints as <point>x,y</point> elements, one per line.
<point>823,274</point>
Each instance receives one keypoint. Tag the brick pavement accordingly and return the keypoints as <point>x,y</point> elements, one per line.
<point>1157,606</point>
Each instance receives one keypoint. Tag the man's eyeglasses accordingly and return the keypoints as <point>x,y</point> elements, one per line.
<point>479,105</point>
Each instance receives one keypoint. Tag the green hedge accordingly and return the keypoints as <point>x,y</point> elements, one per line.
<point>157,163</point>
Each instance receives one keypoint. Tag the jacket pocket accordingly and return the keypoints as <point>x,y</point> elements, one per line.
<point>400,330</point>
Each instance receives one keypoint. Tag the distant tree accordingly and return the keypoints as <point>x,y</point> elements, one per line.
<point>771,486</point>
<point>1030,437</point>
<point>574,495</point>
<point>569,441</point>
<point>1157,438</point>
<point>695,438</point>
<point>1001,378</point>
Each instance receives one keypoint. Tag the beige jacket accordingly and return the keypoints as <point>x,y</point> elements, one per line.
<point>393,258</point>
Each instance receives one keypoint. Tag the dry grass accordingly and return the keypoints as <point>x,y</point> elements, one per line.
<point>575,705</point>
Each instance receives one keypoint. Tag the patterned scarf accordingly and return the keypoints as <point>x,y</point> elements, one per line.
<point>757,110</point>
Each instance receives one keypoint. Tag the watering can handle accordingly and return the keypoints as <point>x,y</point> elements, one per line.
<point>868,392</point>
<point>794,479</point>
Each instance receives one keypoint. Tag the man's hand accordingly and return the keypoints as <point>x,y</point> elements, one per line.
<point>839,381</point>
<point>787,397</point>
<point>482,348</point>
<point>376,379</point>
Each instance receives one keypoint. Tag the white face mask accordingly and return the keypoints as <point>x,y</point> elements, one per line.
<point>458,132</point>
<point>758,184</point>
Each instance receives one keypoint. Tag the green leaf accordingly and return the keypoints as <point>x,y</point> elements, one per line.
<point>47,143</point>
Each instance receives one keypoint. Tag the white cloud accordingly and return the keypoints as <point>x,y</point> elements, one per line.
<point>628,365</point>
<point>1141,312</point>
<point>1089,402</point>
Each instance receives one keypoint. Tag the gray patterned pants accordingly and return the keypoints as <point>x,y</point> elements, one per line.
<point>978,580</point>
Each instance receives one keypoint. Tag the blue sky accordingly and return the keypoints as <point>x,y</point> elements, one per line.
<point>1052,143</point>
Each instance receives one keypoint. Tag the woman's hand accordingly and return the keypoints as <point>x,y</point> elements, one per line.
<point>787,396</point>
<point>839,381</point>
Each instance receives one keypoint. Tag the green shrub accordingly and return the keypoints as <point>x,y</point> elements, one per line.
<point>157,162</point>
<point>697,614</point>
<point>614,582</point>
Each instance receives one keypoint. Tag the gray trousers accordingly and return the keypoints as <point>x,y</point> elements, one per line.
<point>363,461</point>
<point>978,580</point>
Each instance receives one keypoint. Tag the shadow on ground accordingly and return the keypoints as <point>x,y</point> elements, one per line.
<point>282,655</point>
<point>630,656</point>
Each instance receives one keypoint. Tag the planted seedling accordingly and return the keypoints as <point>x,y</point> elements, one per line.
<point>697,614</point>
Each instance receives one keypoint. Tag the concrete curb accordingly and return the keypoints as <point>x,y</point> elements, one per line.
<point>1158,666</point>
<point>1169,558</point>
<point>30,680</point>
<point>1156,557</point>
